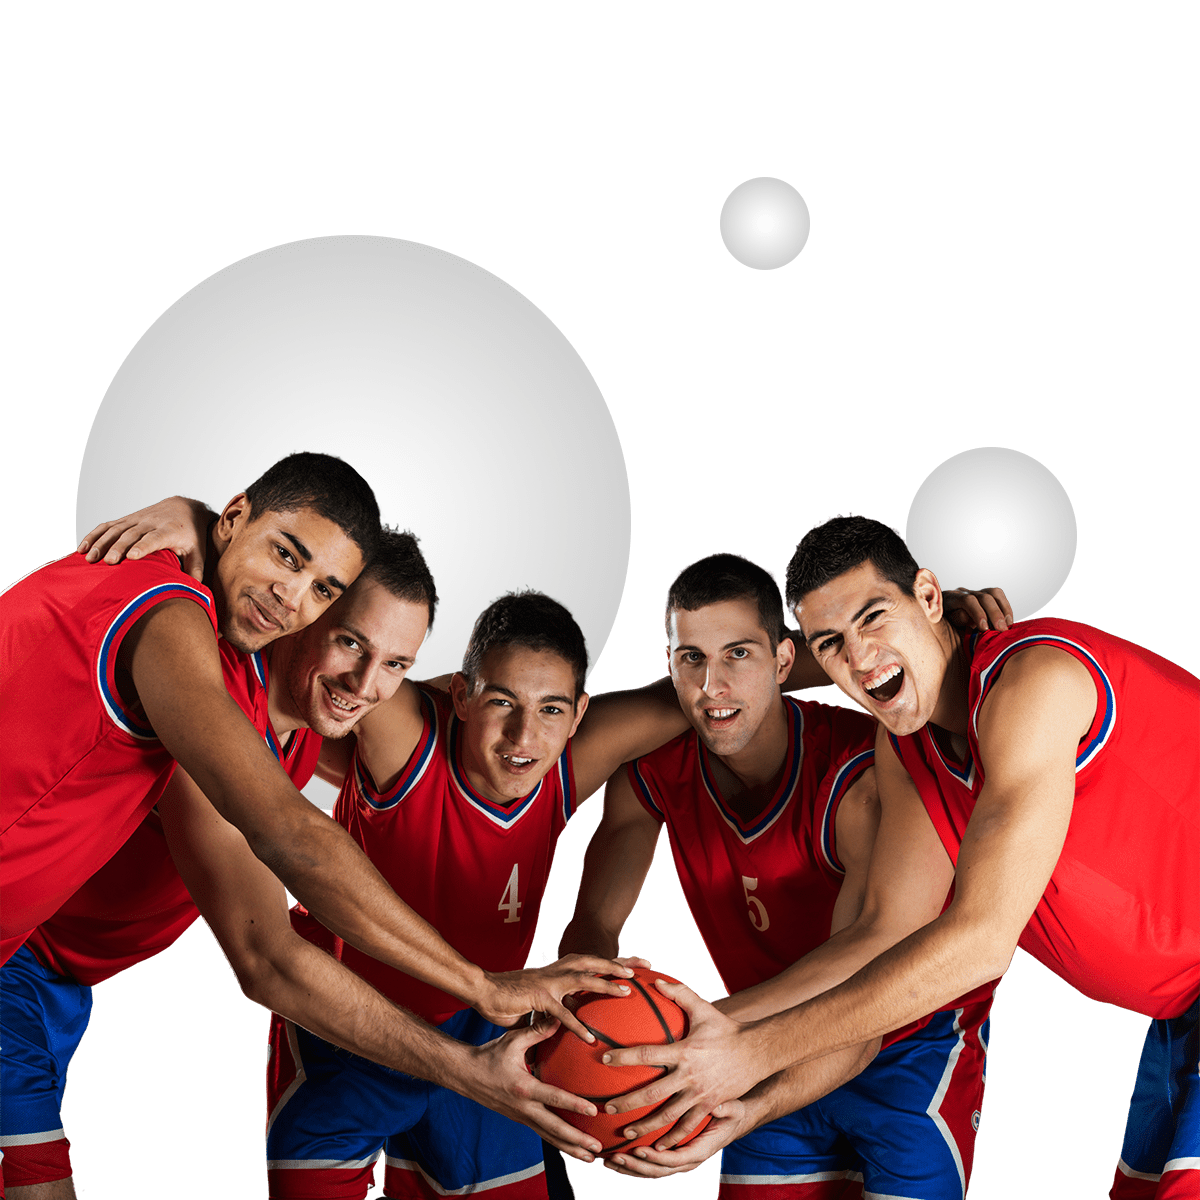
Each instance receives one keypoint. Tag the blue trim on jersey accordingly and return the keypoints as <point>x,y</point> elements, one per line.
<point>1086,752</point>
<point>847,773</point>
<point>260,667</point>
<point>644,788</point>
<point>410,777</point>
<point>964,774</point>
<point>497,813</point>
<point>119,715</point>
<point>566,785</point>
<point>795,717</point>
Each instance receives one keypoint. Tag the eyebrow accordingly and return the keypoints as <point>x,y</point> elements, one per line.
<point>306,554</point>
<point>746,641</point>
<point>552,699</point>
<point>808,641</point>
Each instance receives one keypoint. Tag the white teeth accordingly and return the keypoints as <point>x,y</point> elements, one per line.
<point>719,714</point>
<point>338,702</point>
<point>890,673</point>
<point>516,762</point>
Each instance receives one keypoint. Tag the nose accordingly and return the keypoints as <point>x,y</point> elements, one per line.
<point>361,682</point>
<point>289,591</point>
<point>715,681</point>
<point>858,651</point>
<point>518,729</point>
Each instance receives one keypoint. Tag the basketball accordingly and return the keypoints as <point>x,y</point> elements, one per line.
<point>644,1017</point>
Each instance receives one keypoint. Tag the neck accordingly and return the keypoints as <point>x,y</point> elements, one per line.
<point>281,710</point>
<point>950,712</point>
<point>758,765</point>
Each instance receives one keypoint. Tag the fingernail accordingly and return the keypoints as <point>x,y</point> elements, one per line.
<point>135,553</point>
<point>82,547</point>
<point>630,1134</point>
<point>624,989</point>
<point>591,1111</point>
<point>588,1036</point>
<point>606,1059</point>
<point>608,1108</point>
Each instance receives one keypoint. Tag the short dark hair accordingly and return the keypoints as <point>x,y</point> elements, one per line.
<point>530,619</point>
<point>330,487</point>
<point>400,568</point>
<point>729,577</point>
<point>842,544</point>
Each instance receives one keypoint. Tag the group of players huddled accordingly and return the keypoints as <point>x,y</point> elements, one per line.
<point>860,879</point>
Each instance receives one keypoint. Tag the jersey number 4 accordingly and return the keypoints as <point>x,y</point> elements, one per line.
<point>758,910</point>
<point>509,902</point>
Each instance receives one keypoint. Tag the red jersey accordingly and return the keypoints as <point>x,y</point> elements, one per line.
<point>81,767</point>
<point>1120,917</point>
<point>474,869</point>
<point>762,890</point>
<point>137,905</point>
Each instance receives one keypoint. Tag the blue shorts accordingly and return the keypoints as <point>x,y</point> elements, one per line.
<point>1161,1154</point>
<point>42,1018</point>
<point>905,1127</point>
<point>331,1113</point>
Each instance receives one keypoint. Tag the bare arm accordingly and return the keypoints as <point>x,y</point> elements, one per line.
<point>172,657</point>
<point>176,524</point>
<point>614,869</point>
<point>621,726</point>
<point>246,907</point>
<point>1030,726</point>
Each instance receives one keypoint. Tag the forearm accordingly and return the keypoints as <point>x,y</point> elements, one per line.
<point>802,1085</point>
<point>305,985</point>
<point>587,936</point>
<point>927,970</point>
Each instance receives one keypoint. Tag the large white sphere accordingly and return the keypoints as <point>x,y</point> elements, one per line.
<point>476,423</point>
<point>764,223</point>
<point>993,516</point>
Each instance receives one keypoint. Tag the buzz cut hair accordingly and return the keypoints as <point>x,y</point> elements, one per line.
<point>723,577</point>
<point>330,487</point>
<point>399,567</point>
<point>532,620</point>
<point>841,545</point>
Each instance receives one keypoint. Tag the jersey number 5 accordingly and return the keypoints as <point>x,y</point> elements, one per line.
<point>758,910</point>
<point>509,902</point>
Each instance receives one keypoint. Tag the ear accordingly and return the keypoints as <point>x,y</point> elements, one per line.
<point>928,594</point>
<point>235,515</point>
<point>785,658</point>
<point>460,693</point>
<point>580,708</point>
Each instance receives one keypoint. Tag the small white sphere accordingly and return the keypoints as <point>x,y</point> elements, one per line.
<point>764,223</point>
<point>995,517</point>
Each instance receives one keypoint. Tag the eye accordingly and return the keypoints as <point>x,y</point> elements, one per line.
<point>288,557</point>
<point>348,642</point>
<point>395,665</point>
<point>871,616</point>
<point>739,652</point>
<point>552,710</point>
<point>500,702</point>
<point>323,591</point>
<point>827,645</point>
<point>691,656</point>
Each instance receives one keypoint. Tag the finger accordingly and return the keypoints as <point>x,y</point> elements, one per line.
<point>667,1114</point>
<point>683,1129</point>
<point>643,1056</point>
<point>1002,600</point>
<point>591,964</point>
<point>564,1137</point>
<point>555,1097</point>
<point>993,617</point>
<point>105,537</point>
<point>124,544</point>
<point>193,564</point>
<point>635,962</point>
<point>596,984</point>
<point>571,1021</point>
<point>966,613</point>
<point>638,1168</point>
<point>689,1001</point>
<point>90,537</point>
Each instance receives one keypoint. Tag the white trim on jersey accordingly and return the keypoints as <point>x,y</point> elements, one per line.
<point>935,1105</point>
<point>785,1180</point>
<point>301,1076</point>
<point>469,1189</point>
<point>320,1164</point>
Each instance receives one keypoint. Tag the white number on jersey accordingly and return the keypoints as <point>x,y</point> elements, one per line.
<point>509,902</point>
<point>758,910</point>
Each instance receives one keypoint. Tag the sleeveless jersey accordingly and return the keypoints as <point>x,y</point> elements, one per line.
<point>762,889</point>
<point>81,767</point>
<point>475,870</point>
<point>1120,917</point>
<point>137,905</point>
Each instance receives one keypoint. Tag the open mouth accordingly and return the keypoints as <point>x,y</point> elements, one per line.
<point>517,763</point>
<point>720,718</point>
<point>338,704</point>
<point>887,686</point>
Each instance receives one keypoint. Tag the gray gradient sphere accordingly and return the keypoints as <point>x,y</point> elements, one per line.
<point>995,517</point>
<point>469,413</point>
<point>764,223</point>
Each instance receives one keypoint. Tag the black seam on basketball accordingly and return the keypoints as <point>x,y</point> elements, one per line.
<point>601,1037</point>
<point>654,1009</point>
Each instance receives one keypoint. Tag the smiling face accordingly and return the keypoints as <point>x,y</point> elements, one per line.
<point>725,673</point>
<point>277,572</point>
<point>353,657</point>
<point>516,719</point>
<point>887,650</point>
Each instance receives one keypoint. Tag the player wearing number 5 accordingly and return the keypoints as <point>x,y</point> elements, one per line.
<point>458,796</point>
<point>771,809</point>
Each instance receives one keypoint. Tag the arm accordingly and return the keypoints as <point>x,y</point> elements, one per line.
<point>247,909</point>
<point>171,656</point>
<point>621,726</point>
<point>614,869</point>
<point>1030,726</point>
<point>176,524</point>
<point>334,759</point>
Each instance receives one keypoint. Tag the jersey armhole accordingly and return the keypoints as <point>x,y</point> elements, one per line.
<point>413,770</point>
<point>834,787</point>
<point>131,721</point>
<point>641,789</point>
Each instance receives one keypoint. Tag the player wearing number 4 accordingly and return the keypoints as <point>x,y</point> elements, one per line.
<point>1052,773</point>
<point>771,811</point>
<point>458,796</point>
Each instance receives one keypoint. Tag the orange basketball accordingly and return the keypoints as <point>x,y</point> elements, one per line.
<point>644,1017</point>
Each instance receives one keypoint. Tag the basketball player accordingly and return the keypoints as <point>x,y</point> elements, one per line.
<point>1052,773</point>
<point>771,810</point>
<point>354,656</point>
<point>459,796</point>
